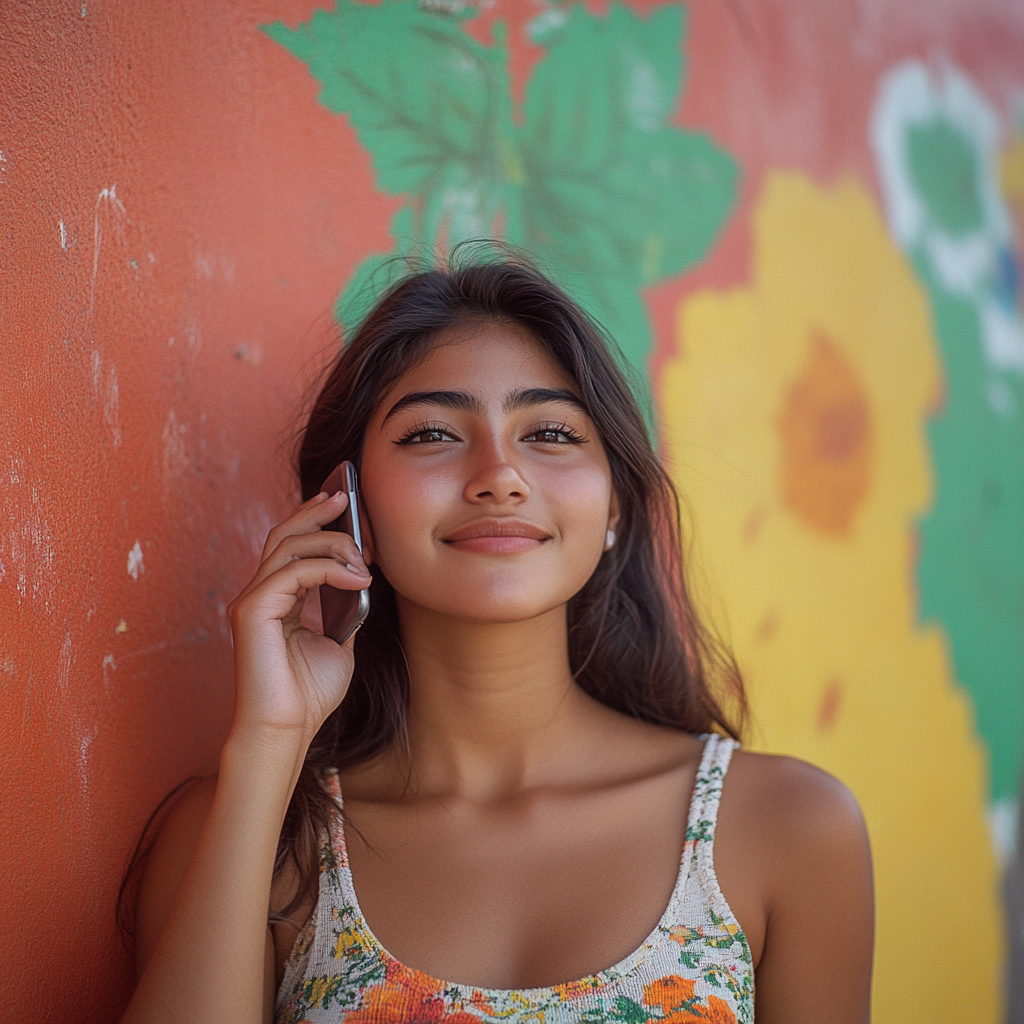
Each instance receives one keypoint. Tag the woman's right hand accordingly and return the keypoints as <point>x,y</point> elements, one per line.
<point>287,676</point>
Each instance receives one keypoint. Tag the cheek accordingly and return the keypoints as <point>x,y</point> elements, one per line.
<point>401,509</point>
<point>579,499</point>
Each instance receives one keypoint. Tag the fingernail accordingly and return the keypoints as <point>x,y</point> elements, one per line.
<point>337,494</point>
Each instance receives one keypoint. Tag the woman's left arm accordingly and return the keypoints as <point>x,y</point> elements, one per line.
<point>815,967</point>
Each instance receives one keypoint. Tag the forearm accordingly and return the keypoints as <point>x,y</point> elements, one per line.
<point>208,964</point>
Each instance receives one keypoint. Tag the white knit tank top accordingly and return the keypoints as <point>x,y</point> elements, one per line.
<point>695,965</point>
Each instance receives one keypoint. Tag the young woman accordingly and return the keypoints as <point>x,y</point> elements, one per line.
<point>546,815</point>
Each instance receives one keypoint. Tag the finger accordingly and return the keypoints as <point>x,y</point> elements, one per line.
<point>322,544</point>
<point>311,515</point>
<point>276,596</point>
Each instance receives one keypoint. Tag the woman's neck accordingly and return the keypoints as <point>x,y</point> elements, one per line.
<point>493,707</point>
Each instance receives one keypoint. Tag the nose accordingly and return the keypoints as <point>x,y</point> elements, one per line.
<point>496,480</point>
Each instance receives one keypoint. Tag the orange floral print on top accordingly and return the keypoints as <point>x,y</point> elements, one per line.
<point>694,967</point>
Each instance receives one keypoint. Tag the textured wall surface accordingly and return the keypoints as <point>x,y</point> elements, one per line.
<point>804,224</point>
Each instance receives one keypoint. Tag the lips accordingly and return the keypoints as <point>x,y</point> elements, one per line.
<point>497,536</point>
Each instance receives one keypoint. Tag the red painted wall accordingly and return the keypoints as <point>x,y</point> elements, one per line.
<point>178,213</point>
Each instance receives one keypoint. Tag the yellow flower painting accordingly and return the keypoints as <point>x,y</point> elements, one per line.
<point>794,418</point>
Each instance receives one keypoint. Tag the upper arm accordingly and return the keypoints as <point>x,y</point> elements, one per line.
<point>819,901</point>
<point>166,864</point>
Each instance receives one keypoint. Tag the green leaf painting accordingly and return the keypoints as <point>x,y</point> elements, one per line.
<point>594,182</point>
<point>936,139</point>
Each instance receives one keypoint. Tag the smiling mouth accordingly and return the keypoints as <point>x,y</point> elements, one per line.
<point>497,536</point>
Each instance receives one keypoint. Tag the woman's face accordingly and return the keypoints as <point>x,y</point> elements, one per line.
<point>486,487</point>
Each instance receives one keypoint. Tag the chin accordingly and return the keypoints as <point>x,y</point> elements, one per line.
<point>488,606</point>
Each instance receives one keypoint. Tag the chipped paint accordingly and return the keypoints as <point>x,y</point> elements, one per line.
<point>135,566</point>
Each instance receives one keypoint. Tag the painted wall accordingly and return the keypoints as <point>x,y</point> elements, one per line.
<point>804,224</point>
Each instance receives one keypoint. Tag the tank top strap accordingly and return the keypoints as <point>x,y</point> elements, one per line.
<point>333,852</point>
<point>707,789</point>
<point>698,854</point>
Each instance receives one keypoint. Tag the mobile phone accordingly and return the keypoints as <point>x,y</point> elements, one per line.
<point>344,611</point>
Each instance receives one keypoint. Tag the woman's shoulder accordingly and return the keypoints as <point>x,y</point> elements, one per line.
<point>791,848</point>
<point>789,794</point>
<point>796,822</point>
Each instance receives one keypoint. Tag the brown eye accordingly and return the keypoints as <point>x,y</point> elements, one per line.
<point>560,434</point>
<point>426,435</point>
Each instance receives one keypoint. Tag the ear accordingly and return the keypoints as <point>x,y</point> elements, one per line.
<point>613,521</point>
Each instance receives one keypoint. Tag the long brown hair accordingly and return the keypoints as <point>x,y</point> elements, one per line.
<point>635,641</point>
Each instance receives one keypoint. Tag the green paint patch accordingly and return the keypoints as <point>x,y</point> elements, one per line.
<point>594,182</point>
<point>971,570</point>
<point>944,170</point>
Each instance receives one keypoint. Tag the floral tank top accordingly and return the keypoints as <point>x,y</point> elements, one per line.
<point>695,965</point>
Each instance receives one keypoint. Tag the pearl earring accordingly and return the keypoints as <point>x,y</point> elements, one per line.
<point>609,540</point>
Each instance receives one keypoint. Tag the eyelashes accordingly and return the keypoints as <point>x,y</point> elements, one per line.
<point>561,433</point>
<point>441,433</point>
<point>428,433</point>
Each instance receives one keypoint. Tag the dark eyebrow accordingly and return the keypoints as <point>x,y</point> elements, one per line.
<point>460,400</point>
<point>526,397</point>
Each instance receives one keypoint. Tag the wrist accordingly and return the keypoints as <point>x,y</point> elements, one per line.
<point>270,751</point>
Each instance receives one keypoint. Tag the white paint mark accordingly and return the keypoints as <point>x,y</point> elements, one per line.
<point>112,405</point>
<point>3,162</point>
<point>208,266</point>
<point>552,19</point>
<point>1003,335</point>
<point>106,389</point>
<point>1002,824</point>
<point>66,660</point>
<point>109,665</point>
<point>27,551</point>
<point>63,237</point>
<point>152,258</point>
<point>84,750</point>
<point>135,565</point>
<point>108,199</point>
<point>84,11</point>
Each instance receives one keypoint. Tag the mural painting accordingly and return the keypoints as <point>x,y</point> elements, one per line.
<point>590,179</point>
